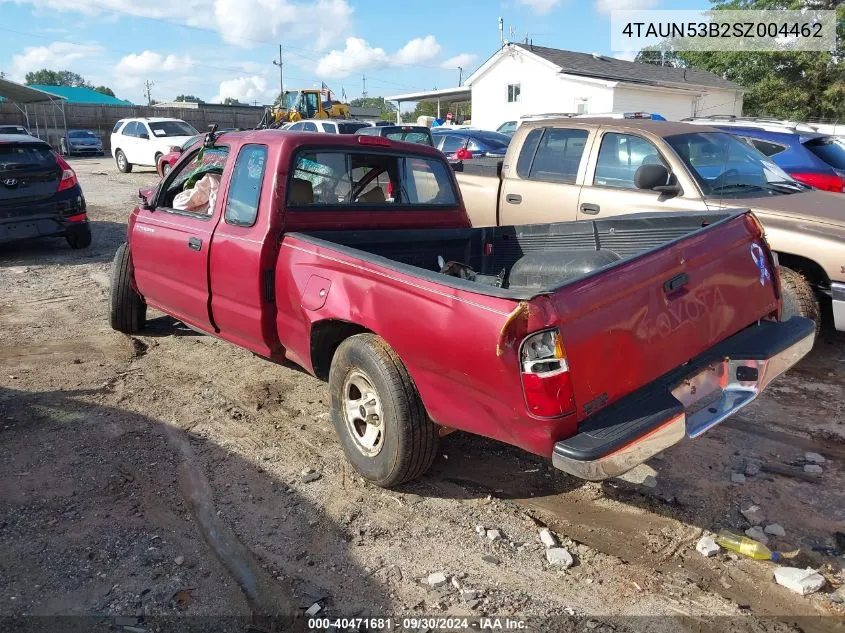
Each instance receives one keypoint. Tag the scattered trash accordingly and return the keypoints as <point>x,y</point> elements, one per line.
<point>753,514</point>
<point>314,609</point>
<point>814,469</point>
<point>494,535</point>
<point>802,581</point>
<point>437,579</point>
<point>547,538</point>
<point>308,475</point>
<point>737,478</point>
<point>745,546</point>
<point>757,534</point>
<point>774,529</point>
<point>814,458</point>
<point>559,556</point>
<point>707,546</point>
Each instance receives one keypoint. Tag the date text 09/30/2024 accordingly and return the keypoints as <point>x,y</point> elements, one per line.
<point>417,624</point>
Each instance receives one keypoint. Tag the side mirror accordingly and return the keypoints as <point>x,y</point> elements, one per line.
<point>144,135</point>
<point>656,178</point>
<point>456,165</point>
<point>175,149</point>
<point>144,194</point>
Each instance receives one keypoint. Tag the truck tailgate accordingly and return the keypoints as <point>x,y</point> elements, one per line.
<point>632,323</point>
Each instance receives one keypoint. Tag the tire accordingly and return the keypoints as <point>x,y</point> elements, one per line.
<point>123,165</point>
<point>798,297</point>
<point>128,311</point>
<point>79,236</point>
<point>405,444</point>
<point>165,169</point>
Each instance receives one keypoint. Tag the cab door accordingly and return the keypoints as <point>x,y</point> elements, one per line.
<point>609,188</point>
<point>243,255</point>
<point>170,247</point>
<point>545,183</point>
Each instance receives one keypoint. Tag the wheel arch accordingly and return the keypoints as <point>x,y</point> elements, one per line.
<point>326,337</point>
<point>810,269</point>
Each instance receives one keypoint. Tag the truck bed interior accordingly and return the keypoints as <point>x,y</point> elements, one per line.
<point>517,262</point>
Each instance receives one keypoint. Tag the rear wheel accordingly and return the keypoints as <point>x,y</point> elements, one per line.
<point>798,297</point>
<point>165,169</point>
<point>379,417</point>
<point>79,236</point>
<point>122,164</point>
<point>128,311</point>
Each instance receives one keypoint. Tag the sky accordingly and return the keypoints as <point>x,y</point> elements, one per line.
<point>215,49</point>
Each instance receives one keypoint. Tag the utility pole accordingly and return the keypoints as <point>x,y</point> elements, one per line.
<point>280,64</point>
<point>460,76</point>
<point>364,86</point>
<point>148,90</point>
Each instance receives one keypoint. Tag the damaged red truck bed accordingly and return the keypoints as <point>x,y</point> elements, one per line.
<point>596,343</point>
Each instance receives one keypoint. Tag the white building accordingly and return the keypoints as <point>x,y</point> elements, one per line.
<point>525,79</point>
<point>521,79</point>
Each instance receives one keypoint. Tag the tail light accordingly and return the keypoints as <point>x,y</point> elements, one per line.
<point>68,175</point>
<point>546,381</point>
<point>825,182</point>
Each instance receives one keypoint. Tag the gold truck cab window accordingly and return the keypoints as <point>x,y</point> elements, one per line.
<point>552,154</point>
<point>620,156</point>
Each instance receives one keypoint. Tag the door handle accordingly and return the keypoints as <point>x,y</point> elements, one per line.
<point>590,209</point>
<point>679,281</point>
<point>194,243</point>
<point>513,198</point>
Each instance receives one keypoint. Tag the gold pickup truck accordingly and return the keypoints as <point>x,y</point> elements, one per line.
<point>560,169</point>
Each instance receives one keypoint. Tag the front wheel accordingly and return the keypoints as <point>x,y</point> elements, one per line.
<point>377,413</point>
<point>128,311</point>
<point>122,164</point>
<point>165,169</point>
<point>798,297</point>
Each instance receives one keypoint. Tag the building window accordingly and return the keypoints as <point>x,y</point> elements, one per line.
<point>513,93</point>
<point>582,106</point>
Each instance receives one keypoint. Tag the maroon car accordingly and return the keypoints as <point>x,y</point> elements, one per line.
<point>593,343</point>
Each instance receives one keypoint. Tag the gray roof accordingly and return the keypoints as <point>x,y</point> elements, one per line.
<point>19,93</point>
<point>603,67</point>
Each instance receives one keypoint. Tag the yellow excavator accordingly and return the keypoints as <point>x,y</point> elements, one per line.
<point>311,103</point>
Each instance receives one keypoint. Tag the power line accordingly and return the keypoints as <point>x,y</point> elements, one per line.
<point>148,90</point>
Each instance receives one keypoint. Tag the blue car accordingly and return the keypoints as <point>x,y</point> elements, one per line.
<point>476,142</point>
<point>813,158</point>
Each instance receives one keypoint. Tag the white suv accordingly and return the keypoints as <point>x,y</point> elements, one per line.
<point>142,141</point>
<point>327,126</point>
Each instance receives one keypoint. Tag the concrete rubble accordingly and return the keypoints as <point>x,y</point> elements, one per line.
<point>737,478</point>
<point>775,529</point>
<point>707,546</point>
<point>757,534</point>
<point>494,535</point>
<point>813,468</point>
<point>753,514</point>
<point>547,538</point>
<point>814,458</point>
<point>560,557</point>
<point>308,475</point>
<point>436,579</point>
<point>801,581</point>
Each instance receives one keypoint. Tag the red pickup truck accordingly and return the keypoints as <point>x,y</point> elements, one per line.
<point>596,343</point>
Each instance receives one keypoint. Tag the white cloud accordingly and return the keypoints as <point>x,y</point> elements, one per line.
<point>148,62</point>
<point>464,60</point>
<point>541,7</point>
<point>55,54</point>
<point>359,56</point>
<point>245,23</point>
<point>606,6</point>
<point>244,89</point>
<point>417,51</point>
<point>627,56</point>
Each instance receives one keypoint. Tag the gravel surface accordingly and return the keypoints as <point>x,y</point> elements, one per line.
<point>162,474</point>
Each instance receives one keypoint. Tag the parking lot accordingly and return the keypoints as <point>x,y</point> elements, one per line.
<point>163,473</point>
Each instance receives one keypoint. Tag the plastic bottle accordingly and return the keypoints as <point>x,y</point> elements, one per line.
<point>745,546</point>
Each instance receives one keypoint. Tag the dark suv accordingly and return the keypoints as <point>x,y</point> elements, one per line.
<point>407,133</point>
<point>39,194</point>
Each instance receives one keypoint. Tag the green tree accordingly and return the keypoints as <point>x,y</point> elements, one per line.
<point>56,78</point>
<point>231,101</point>
<point>189,99</point>
<point>386,109</point>
<point>790,85</point>
<point>105,90</point>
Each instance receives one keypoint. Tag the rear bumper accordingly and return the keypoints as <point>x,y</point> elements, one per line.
<point>837,293</point>
<point>685,402</point>
<point>43,218</point>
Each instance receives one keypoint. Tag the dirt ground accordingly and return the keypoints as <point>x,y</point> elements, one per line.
<point>160,475</point>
